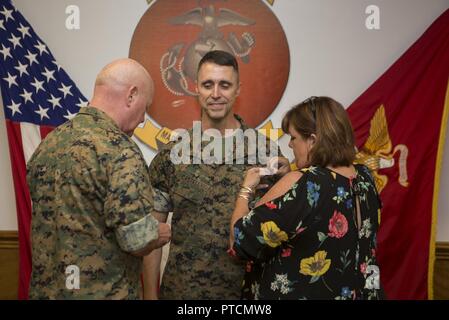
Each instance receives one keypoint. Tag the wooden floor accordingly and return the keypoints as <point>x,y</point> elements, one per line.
<point>9,261</point>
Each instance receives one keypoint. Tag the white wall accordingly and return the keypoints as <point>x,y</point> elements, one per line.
<point>333,53</point>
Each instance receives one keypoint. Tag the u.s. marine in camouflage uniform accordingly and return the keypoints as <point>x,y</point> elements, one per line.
<point>202,198</point>
<point>92,196</point>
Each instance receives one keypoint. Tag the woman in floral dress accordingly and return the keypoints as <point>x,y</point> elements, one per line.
<point>313,234</point>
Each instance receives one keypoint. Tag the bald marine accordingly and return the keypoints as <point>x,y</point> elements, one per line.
<point>124,91</point>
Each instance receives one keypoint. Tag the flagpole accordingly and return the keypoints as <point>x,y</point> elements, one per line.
<point>436,192</point>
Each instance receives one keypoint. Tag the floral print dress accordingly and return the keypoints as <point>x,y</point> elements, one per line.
<point>308,244</point>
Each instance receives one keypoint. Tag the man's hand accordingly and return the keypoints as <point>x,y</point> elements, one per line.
<point>164,231</point>
<point>164,236</point>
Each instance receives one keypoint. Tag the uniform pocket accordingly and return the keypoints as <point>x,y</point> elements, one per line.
<point>192,186</point>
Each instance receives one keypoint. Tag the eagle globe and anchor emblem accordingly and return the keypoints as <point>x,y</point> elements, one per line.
<point>210,38</point>
<point>377,154</point>
<point>173,36</point>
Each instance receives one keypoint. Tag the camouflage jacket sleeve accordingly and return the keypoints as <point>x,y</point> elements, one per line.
<point>129,201</point>
<point>161,177</point>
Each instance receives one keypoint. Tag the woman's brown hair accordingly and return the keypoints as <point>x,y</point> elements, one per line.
<point>328,120</point>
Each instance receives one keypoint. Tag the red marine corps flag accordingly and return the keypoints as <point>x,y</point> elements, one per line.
<point>400,125</point>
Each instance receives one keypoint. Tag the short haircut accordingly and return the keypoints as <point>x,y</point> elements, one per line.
<point>328,120</point>
<point>221,58</point>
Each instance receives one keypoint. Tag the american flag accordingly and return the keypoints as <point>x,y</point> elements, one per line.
<point>37,96</point>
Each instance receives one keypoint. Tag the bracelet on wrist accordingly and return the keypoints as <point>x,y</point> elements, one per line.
<point>245,192</point>
<point>247,189</point>
<point>244,196</point>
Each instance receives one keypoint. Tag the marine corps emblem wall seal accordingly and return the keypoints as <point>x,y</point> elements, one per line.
<point>172,37</point>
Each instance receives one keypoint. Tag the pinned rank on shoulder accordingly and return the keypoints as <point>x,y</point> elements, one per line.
<point>271,168</point>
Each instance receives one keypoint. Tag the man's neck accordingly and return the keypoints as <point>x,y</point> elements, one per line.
<point>100,105</point>
<point>221,125</point>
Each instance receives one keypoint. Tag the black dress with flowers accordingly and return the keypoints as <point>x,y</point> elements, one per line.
<point>307,244</point>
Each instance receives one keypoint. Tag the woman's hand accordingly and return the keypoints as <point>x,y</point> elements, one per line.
<point>252,178</point>
<point>283,166</point>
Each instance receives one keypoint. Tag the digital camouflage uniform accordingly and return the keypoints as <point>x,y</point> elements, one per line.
<point>202,199</point>
<point>91,206</point>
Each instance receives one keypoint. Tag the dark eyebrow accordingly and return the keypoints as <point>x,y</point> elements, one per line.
<point>222,82</point>
<point>207,82</point>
